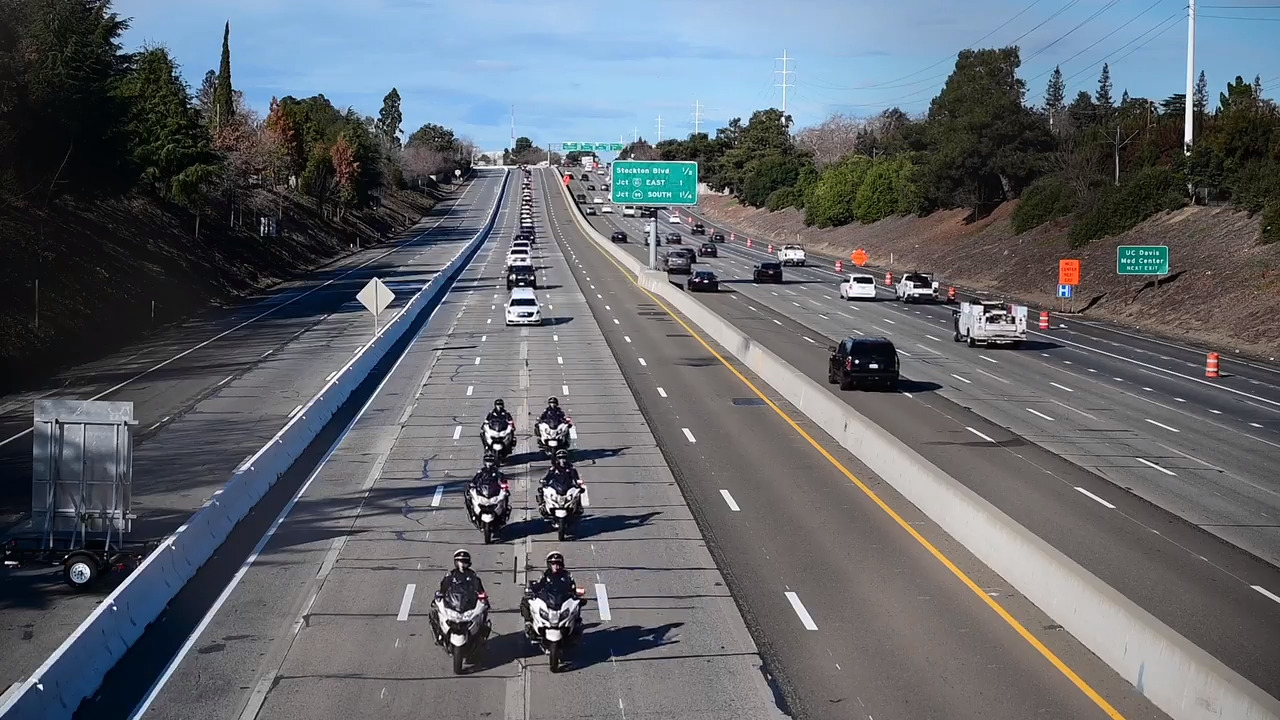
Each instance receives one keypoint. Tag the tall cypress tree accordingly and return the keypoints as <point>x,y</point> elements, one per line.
<point>224,106</point>
<point>1103,97</point>
<point>1055,95</point>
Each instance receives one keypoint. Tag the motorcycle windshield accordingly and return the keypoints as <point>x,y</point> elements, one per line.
<point>461,599</point>
<point>489,488</point>
<point>560,484</point>
<point>498,425</point>
<point>554,595</point>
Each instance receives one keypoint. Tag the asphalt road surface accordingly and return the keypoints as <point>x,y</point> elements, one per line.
<point>209,393</point>
<point>710,513</point>
<point>1073,478</point>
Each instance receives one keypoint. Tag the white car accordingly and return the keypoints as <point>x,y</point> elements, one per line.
<point>521,245</point>
<point>519,261</point>
<point>648,228</point>
<point>598,200</point>
<point>523,307</point>
<point>674,219</point>
<point>607,209</point>
<point>628,211</point>
<point>858,286</point>
<point>516,252</point>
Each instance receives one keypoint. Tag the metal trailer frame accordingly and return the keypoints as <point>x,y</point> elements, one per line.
<point>81,492</point>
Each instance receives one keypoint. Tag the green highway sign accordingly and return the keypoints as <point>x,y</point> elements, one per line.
<point>591,147</point>
<point>1142,260</point>
<point>644,182</point>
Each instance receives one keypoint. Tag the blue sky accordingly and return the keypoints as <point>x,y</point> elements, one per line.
<point>602,71</point>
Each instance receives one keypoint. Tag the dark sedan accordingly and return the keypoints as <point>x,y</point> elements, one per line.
<point>698,229</point>
<point>674,238</point>
<point>619,236</point>
<point>708,250</point>
<point>703,281</point>
<point>768,272</point>
<point>717,237</point>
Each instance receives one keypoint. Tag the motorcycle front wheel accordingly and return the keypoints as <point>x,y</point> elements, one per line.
<point>456,652</point>
<point>488,533</point>
<point>553,657</point>
<point>560,531</point>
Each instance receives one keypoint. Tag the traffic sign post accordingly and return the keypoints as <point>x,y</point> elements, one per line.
<point>1065,291</point>
<point>1068,272</point>
<point>859,257</point>
<point>375,297</point>
<point>1142,260</point>
<point>644,182</point>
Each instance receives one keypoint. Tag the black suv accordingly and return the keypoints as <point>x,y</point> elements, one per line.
<point>717,237</point>
<point>863,360</point>
<point>619,236</point>
<point>582,197</point>
<point>585,177</point>
<point>698,229</point>
<point>708,250</point>
<point>522,276</point>
<point>768,272</point>
<point>673,238</point>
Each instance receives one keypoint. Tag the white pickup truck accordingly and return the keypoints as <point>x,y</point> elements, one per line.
<point>916,287</point>
<point>791,255</point>
<point>990,322</point>
<point>859,285</point>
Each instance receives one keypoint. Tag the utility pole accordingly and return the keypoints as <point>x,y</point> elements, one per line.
<point>635,135</point>
<point>697,117</point>
<point>1189,112</point>
<point>1117,143</point>
<point>784,72</point>
<point>659,128</point>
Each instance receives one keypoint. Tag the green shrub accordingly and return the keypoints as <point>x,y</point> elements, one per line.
<point>783,198</point>
<point>877,196</point>
<point>1271,222</point>
<point>1118,209</point>
<point>1047,199</point>
<point>1255,185</point>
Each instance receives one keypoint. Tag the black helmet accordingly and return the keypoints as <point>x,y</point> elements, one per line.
<point>462,559</point>
<point>498,404</point>
<point>553,402</point>
<point>555,561</point>
<point>490,460</point>
<point>562,458</point>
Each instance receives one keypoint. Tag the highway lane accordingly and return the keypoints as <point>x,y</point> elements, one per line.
<point>167,374</point>
<point>1203,453</point>
<point>244,388</point>
<point>330,621</point>
<point>894,634</point>
<point>1220,597</point>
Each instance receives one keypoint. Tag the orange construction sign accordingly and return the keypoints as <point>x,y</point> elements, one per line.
<point>1068,272</point>
<point>859,257</point>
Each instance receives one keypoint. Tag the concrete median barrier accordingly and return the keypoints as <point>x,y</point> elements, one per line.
<point>76,669</point>
<point>1176,675</point>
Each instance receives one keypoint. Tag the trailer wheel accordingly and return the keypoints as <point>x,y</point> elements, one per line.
<point>80,570</point>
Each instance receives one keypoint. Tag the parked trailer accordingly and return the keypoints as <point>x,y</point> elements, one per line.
<point>81,492</point>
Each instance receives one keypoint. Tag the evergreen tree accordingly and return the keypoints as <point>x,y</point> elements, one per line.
<point>1201,96</point>
<point>1055,95</point>
<point>1124,98</point>
<point>204,98</point>
<point>1103,97</point>
<point>389,120</point>
<point>224,105</point>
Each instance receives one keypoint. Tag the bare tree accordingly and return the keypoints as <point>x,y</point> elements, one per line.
<point>418,162</point>
<point>832,139</point>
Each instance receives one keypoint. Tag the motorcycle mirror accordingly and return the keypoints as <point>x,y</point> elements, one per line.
<point>483,596</point>
<point>505,486</point>
<point>580,591</point>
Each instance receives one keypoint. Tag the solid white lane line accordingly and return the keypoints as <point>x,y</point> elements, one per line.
<point>1162,425</point>
<point>662,392</point>
<point>975,432</point>
<point>688,435</point>
<point>1095,498</point>
<point>602,603</point>
<point>805,618</point>
<point>728,499</point>
<point>477,362</point>
<point>224,381</point>
<point>457,432</point>
<point>1266,592</point>
<point>642,362</point>
<point>963,380</point>
<point>435,499</point>
<point>291,412</point>
<point>1061,387</point>
<point>469,389</point>
<point>406,602</point>
<point>327,379</point>
<point>1039,414</point>
<point>990,360</point>
<point>1150,464</point>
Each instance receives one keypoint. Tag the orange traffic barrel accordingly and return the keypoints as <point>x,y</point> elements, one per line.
<point>1044,320</point>
<point>1211,365</point>
<point>888,279</point>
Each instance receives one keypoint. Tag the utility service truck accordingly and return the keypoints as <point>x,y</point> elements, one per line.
<point>791,255</point>
<point>990,322</point>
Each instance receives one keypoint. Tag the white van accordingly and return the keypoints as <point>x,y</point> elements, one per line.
<point>628,211</point>
<point>523,307</point>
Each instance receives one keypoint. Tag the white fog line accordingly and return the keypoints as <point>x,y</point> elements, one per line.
<point>662,392</point>
<point>1037,413</point>
<point>1095,498</point>
<point>1266,592</point>
<point>435,499</point>
<point>733,505</point>
<point>979,434</point>
<point>1061,387</point>
<point>688,435</point>
<point>457,429</point>
<point>801,612</point>
<point>291,412</point>
<point>602,603</point>
<point>1150,464</point>
<point>405,602</point>
<point>226,380</point>
<point>1162,425</point>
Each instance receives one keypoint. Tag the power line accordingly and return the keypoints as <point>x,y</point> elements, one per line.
<point>1250,19</point>
<point>1086,21</point>
<point>1241,7</point>
<point>1097,42</point>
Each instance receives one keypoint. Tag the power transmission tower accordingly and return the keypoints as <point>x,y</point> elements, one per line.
<point>697,117</point>
<point>659,128</point>
<point>784,72</point>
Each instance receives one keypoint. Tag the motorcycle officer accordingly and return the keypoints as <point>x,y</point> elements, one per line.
<point>486,481</point>
<point>561,471</point>
<point>499,412</point>
<point>555,574</point>
<point>461,574</point>
<point>554,414</point>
